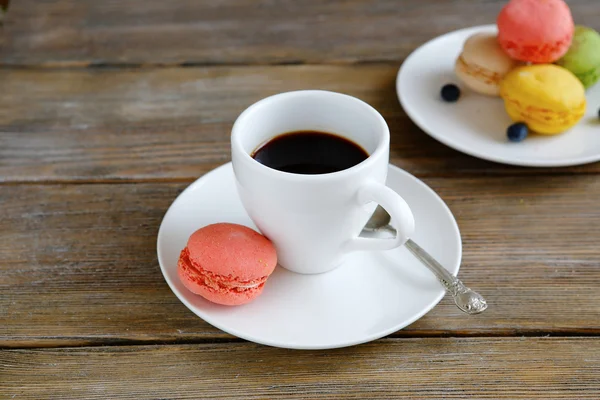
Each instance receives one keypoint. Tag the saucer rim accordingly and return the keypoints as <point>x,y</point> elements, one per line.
<point>297,346</point>
<point>418,116</point>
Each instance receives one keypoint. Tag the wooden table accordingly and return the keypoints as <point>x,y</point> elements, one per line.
<point>109,109</point>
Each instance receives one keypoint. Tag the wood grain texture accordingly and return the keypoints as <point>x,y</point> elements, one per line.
<point>512,368</point>
<point>84,32</point>
<point>78,262</point>
<point>91,158</point>
<point>174,123</point>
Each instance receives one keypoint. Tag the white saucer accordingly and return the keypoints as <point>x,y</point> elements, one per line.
<point>477,124</point>
<point>370,296</point>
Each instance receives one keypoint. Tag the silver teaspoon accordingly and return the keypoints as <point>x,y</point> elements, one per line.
<point>466,299</point>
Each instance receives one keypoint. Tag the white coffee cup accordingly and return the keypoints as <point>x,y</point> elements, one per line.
<point>315,220</point>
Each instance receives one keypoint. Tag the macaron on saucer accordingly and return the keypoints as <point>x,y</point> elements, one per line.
<point>477,124</point>
<point>371,295</point>
<point>227,264</point>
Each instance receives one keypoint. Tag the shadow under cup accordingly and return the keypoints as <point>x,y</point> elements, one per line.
<point>308,217</point>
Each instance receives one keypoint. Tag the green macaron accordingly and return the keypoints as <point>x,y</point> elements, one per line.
<point>583,57</point>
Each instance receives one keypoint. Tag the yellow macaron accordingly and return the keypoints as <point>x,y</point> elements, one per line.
<point>548,98</point>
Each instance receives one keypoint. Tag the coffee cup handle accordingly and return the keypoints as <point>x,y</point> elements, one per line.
<point>402,218</point>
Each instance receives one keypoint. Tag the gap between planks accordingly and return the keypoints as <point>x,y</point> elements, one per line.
<point>160,180</point>
<point>79,65</point>
<point>74,342</point>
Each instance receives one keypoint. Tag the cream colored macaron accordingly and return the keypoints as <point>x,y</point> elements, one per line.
<point>483,64</point>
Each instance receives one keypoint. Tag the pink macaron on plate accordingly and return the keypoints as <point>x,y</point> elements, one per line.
<point>373,294</point>
<point>477,124</point>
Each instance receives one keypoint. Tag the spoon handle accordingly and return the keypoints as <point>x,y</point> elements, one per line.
<point>466,300</point>
<point>452,284</point>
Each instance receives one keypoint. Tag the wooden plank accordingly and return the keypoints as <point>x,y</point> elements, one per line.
<point>87,254</point>
<point>449,368</point>
<point>3,9</point>
<point>175,123</point>
<point>84,32</point>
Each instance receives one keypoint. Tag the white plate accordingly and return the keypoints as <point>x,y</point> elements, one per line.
<point>477,124</point>
<point>370,296</point>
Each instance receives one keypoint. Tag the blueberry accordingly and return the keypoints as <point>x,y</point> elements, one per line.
<point>450,93</point>
<point>517,132</point>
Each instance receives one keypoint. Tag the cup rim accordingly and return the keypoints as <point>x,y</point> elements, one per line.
<point>236,142</point>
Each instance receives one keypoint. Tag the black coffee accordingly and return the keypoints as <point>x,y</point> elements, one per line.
<point>310,152</point>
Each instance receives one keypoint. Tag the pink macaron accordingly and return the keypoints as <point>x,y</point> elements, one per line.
<point>226,263</point>
<point>537,31</point>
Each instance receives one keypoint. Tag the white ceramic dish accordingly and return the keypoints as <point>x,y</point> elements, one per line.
<point>476,124</point>
<point>370,296</point>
